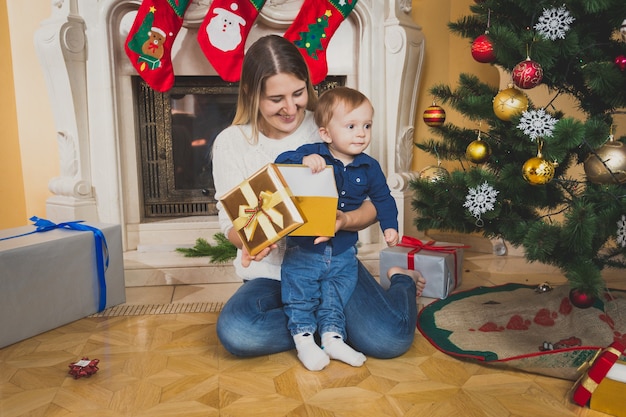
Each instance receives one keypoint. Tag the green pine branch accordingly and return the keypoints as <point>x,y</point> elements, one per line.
<point>223,251</point>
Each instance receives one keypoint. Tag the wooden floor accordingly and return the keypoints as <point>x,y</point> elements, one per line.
<point>171,364</point>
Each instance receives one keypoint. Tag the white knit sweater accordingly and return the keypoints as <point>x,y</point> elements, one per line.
<point>234,160</point>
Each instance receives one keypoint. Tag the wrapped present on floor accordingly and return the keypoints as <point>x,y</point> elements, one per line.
<point>262,209</point>
<point>603,383</point>
<point>53,274</point>
<point>316,195</point>
<point>440,263</point>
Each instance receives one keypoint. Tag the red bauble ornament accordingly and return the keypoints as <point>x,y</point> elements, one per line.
<point>527,74</point>
<point>434,116</point>
<point>482,49</point>
<point>620,61</point>
<point>581,299</point>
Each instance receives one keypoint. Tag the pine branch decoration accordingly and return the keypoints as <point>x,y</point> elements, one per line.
<point>223,251</point>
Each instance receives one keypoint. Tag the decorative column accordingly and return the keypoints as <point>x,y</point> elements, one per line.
<point>404,55</point>
<point>61,47</point>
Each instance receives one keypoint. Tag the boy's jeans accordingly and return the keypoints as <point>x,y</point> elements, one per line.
<point>316,287</point>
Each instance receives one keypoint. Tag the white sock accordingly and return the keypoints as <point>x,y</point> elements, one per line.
<point>336,348</point>
<point>311,355</point>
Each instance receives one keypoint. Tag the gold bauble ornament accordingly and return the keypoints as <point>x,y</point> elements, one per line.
<point>538,171</point>
<point>509,103</point>
<point>434,173</point>
<point>478,151</point>
<point>613,154</point>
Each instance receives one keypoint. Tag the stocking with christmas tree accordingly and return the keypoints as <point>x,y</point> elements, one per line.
<point>223,33</point>
<point>312,29</point>
<point>149,42</point>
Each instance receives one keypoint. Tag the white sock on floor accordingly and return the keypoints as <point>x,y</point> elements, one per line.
<point>336,348</point>
<point>311,355</point>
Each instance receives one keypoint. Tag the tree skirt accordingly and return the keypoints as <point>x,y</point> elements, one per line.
<point>516,326</point>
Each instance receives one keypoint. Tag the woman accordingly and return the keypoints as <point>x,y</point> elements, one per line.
<point>274,114</point>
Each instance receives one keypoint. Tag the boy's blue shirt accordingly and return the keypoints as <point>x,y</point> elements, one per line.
<point>355,182</point>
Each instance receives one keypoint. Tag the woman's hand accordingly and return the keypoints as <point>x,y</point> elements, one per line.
<point>246,258</point>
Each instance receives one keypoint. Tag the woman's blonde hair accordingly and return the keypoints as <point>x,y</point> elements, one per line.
<point>268,56</point>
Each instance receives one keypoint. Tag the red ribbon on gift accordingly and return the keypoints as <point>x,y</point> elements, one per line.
<point>418,245</point>
<point>601,365</point>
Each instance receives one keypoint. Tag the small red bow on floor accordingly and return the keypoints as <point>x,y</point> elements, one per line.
<point>83,367</point>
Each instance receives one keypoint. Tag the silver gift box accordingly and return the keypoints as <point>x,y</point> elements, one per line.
<point>443,271</point>
<point>48,279</point>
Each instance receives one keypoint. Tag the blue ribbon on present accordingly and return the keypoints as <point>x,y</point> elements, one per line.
<point>102,250</point>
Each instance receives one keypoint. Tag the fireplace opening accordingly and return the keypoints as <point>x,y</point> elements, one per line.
<point>176,131</point>
<point>175,134</point>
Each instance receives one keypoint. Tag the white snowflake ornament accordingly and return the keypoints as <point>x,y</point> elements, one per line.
<point>480,200</point>
<point>537,124</point>
<point>621,231</point>
<point>554,23</point>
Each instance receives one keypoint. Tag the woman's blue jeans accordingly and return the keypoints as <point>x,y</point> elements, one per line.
<point>380,323</point>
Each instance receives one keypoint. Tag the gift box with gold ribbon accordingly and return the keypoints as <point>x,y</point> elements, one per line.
<point>262,209</point>
<point>440,263</point>
<point>596,388</point>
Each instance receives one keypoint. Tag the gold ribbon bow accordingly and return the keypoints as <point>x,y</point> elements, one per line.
<point>260,211</point>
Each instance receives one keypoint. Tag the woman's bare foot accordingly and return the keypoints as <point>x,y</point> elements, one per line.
<point>417,277</point>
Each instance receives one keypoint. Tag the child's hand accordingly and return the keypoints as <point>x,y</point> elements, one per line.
<point>391,237</point>
<point>314,161</point>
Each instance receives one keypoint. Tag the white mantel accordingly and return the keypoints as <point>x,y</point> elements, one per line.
<point>379,48</point>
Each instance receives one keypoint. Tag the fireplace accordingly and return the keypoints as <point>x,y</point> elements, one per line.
<point>94,89</point>
<point>175,133</point>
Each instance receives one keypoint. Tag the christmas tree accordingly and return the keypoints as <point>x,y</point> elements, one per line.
<point>530,173</point>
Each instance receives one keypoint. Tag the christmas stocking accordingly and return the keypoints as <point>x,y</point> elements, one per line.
<point>150,40</point>
<point>223,33</point>
<point>312,29</point>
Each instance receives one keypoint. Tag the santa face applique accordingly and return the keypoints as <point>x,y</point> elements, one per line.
<point>224,29</point>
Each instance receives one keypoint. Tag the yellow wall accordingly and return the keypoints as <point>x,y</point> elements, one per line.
<point>30,139</point>
<point>446,57</point>
<point>13,207</point>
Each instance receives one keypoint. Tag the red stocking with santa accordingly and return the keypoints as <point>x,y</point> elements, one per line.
<point>223,33</point>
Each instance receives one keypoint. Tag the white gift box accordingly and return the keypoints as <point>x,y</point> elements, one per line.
<point>50,278</point>
<point>440,263</point>
<point>316,195</point>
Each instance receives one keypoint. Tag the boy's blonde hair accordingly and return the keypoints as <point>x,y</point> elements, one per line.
<point>330,99</point>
